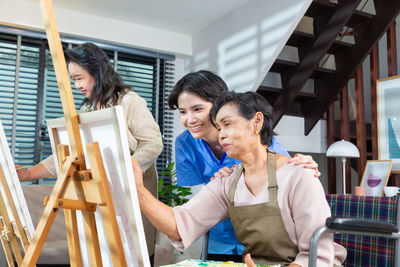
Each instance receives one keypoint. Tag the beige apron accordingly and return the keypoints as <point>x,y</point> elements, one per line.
<point>260,227</point>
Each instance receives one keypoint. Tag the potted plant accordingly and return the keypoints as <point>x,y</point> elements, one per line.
<point>172,194</point>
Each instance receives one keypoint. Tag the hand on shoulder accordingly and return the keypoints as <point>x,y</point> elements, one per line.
<point>223,172</point>
<point>307,161</point>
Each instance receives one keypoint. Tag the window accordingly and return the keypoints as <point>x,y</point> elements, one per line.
<point>19,95</point>
<point>166,123</point>
<point>29,94</point>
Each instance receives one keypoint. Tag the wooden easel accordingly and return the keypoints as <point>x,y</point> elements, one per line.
<point>11,231</point>
<point>76,187</point>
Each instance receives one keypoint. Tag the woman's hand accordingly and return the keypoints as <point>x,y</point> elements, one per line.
<point>223,172</point>
<point>137,171</point>
<point>23,174</point>
<point>249,262</point>
<point>307,161</point>
<point>33,173</point>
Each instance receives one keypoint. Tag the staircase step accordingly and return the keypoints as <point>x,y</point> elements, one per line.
<point>319,7</point>
<point>299,38</point>
<point>360,18</point>
<point>294,110</point>
<point>272,94</point>
<point>274,90</point>
<point>338,46</point>
<point>281,65</point>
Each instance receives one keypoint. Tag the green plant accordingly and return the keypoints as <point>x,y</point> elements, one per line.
<point>172,194</point>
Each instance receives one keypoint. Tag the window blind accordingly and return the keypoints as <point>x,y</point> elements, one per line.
<point>26,95</point>
<point>139,73</point>
<point>18,94</point>
<point>166,117</point>
<point>8,61</point>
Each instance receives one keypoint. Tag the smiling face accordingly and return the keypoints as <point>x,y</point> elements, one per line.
<point>236,133</point>
<point>194,114</point>
<point>83,81</point>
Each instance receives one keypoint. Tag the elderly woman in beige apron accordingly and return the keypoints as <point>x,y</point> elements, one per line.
<point>274,206</point>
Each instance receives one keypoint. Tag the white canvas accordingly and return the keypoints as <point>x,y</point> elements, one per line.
<point>7,164</point>
<point>108,128</point>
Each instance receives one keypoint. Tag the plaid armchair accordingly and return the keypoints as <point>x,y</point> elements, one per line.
<point>364,250</point>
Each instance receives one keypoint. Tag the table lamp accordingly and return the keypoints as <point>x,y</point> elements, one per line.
<point>343,149</point>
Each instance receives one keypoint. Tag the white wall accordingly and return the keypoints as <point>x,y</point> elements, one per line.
<point>27,14</point>
<point>242,46</point>
<point>291,136</point>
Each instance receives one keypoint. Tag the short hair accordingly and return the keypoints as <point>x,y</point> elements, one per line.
<point>248,104</point>
<point>203,83</point>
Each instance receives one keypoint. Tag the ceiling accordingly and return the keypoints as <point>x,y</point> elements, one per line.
<point>184,16</point>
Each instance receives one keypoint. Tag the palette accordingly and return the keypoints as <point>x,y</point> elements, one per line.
<point>195,263</point>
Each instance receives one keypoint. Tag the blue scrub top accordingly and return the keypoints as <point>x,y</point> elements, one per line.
<point>195,165</point>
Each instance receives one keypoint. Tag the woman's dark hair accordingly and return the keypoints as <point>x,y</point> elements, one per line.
<point>203,83</point>
<point>108,84</point>
<point>248,104</point>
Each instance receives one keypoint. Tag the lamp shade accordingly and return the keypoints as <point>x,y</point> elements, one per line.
<point>343,149</point>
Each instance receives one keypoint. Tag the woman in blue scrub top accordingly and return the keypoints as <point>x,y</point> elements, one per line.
<point>198,154</point>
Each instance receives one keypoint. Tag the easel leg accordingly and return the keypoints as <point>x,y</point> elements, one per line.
<point>75,257</point>
<point>92,239</point>
<point>48,216</point>
<point>8,230</point>
<point>7,252</point>
<point>107,210</point>
<point>74,249</point>
<point>15,248</point>
<point>19,228</point>
<point>42,230</point>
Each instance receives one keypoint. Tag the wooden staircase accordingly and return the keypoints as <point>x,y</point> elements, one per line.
<point>330,20</point>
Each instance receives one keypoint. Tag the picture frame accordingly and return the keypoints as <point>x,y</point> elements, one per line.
<point>376,176</point>
<point>388,120</point>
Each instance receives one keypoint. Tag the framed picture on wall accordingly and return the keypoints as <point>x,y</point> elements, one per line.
<point>375,176</point>
<point>388,113</point>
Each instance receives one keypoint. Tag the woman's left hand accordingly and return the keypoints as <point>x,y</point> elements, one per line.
<point>307,161</point>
